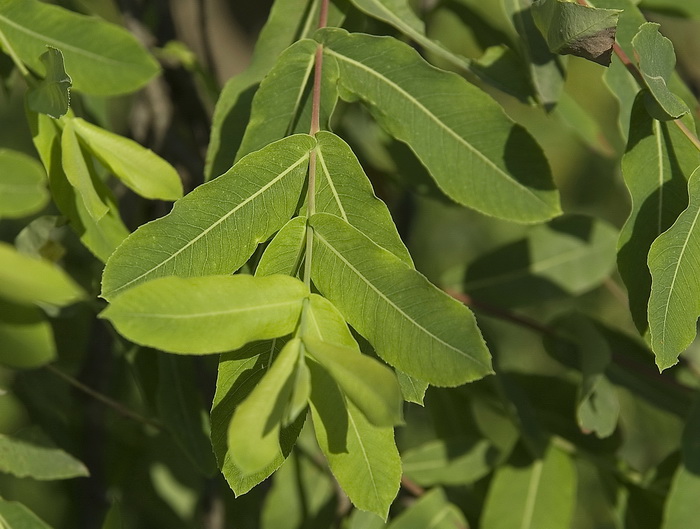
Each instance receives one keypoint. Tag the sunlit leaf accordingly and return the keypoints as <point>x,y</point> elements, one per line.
<point>22,185</point>
<point>51,95</point>
<point>216,228</point>
<point>210,314</point>
<point>285,252</point>
<point>101,58</point>
<point>449,124</point>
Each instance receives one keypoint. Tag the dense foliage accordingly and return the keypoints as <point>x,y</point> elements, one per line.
<point>437,264</point>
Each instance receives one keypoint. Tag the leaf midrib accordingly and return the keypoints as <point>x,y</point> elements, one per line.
<point>498,171</point>
<point>236,310</point>
<point>351,420</point>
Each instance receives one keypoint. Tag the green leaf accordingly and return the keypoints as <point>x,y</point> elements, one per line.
<point>655,166</point>
<point>102,59</point>
<point>204,233</point>
<point>301,391</point>
<point>411,324</point>
<point>14,515</point>
<point>51,96</point>
<point>321,320</point>
<point>22,185</point>
<point>239,374</point>
<point>181,409</point>
<point>285,252</point>
<point>30,454</point>
<point>503,68</point>
<point>364,520</point>
<point>79,174</point>
<point>210,314</point>
<point>343,190</point>
<point>458,460</point>
<point>362,457</point>
<point>412,388</point>
<point>369,385</point>
<point>100,237</point>
<point>538,495</point>
<point>571,28</point>
<point>253,435</point>
<point>567,256</point>
<point>448,123</point>
<point>657,61</point>
<point>432,511</point>
<point>282,103</point>
<point>26,280</point>
<point>674,302</point>
<point>139,168</point>
<point>26,337</point>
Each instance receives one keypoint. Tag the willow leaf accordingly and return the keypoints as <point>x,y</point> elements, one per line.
<point>322,321</point>
<point>239,373</point>
<point>285,252</point>
<point>22,185</point>
<point>210,314</point>
<point>674,303</point>
<point>282,103</point>
<point>343,190</point>
<point>411,324</point>
<point>539,495</point>
<point>216,228</point>
<point>102,58</point>
<point>655,167</point>
<point>449,124</point>
<point>253,435</point>
<point>26,336</point>
<point>362,457</point>
<point>51,95</point>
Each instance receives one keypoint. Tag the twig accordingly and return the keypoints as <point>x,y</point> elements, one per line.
<point>412,487</point>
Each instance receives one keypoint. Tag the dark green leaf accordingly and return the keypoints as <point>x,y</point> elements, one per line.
<point>14,515</point>
<point>51,96</point>
<point>26,337</point>
<point>432,511</point>
<point>22,185</point>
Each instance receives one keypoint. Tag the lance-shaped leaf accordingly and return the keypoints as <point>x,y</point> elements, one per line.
<point>30,454</point>
<point>26,337</point>
<point>657,61</point>
<point>14,515</point>
<point>282,103</point>
<point>100,237</point>
<point>27,280</point>
<point>210,314</point>
<point>102,58</point>
<point>285,252</point>
<point>370,386</point>
<point>239,374</point>
<point>655,167</point>
<point>411,324</point>
<point>22,185</point>
<point>674,303</point>
<point>139,168</point>
<point>571,28</point>
<point>253,435</point>
<point>51,96</point>
<point>216,228</point>
<point>432,510</point>
<point>343,190</point>
<point>362,457</point>
<point>79,174</point>
<point>475,153</point>
<point>539,495</point>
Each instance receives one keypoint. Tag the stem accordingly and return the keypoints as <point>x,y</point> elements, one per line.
<point>116,406</point>
<point>637,74</point>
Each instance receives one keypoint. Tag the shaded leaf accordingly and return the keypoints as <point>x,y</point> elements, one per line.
<point>674,302</point>
<point>362,457</point>
<point>253,435</point>
<point>571,28</point>
<point>26,337</point>
<point>27,280</point>
<point>216,227</point>
<point>445,121</point>
<point>30,454</point>
<point>432,511</point>
<point>503,68</point>
<point>656,166</point>
<point>657,61</point>
<point>14,515</point>
<point>395,307</point>
<point>139,168</point>
<point>539,495</point>
<point>22,185</point>
<point>51,96</point>
<point>239,373</point>
<point>210,314</point>
<point>102,58</point>
<point>285,252</point>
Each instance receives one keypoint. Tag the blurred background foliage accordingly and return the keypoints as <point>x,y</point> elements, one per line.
<point>139,477</point>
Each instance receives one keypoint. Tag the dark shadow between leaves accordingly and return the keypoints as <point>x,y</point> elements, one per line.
<point>331,406</point>
<point>526,161</point>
